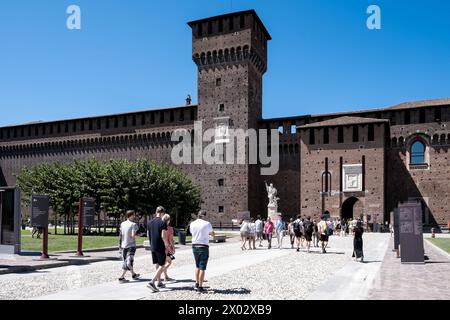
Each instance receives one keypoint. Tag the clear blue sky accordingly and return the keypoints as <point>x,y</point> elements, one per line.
<point>136,54</point>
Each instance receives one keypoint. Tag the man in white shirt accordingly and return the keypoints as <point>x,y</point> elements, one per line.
<point>259,230</point>
<point>127,243</point>
<point>200,230</point>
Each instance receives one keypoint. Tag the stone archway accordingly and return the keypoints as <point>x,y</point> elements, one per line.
<point>352,208</point>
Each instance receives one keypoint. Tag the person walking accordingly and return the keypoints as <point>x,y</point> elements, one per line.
<point>323,232</point>
<point>297,226</point>
<point>308,227</point>
<point>245,230</point>
<point>358,231</point>
<point>157,230</point>
<point>127,245</point>
<point>316,235</point>
<point>259,229</point>
<point>343,228</point>
<point>201,230</point>
<point>281,232</point>
<point>170,249</point>
<point>291,232</point>
<point>268,231</point>
<point>252,234</point>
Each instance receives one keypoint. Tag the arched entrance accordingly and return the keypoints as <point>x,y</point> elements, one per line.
<point>352,208</point>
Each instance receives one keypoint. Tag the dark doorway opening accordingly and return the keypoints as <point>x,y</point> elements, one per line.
<point>351,208</point>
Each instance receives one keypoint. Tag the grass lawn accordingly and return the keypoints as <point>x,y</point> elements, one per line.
<point>69,243</point>
<point>442,243</point>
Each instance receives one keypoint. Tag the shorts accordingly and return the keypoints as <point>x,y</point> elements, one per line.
<point>324,237</point>
<point>201,256</point>
<point>159,258</point>
<point>298,234</point>
<point>128,258</point>
<point>308,236</point>
<point>244,234</point>
<point>259,234</point>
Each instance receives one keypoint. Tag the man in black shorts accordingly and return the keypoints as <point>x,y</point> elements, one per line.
<point>157,229</point>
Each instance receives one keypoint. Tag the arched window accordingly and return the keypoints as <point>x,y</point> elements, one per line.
<point>418,153</point>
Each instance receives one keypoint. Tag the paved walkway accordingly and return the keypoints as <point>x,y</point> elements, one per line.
<point>355,279</point>
<point>258,274</point>
<point>429,281</point>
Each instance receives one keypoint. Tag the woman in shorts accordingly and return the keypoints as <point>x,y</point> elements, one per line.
<point>244,234</point>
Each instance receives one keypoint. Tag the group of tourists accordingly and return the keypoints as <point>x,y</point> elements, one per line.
<point>302,233</point>
<point>161,238</point>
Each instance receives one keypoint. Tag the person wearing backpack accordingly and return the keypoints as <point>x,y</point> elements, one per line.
<point>291,232</point>
<point>297,226</point>
<point>309,228</point>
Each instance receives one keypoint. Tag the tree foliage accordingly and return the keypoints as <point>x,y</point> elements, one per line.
<point>117,186</point>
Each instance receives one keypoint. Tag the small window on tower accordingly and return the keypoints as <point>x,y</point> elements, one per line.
<point>218,82</point>
<point>221,107</point>
<point>220,182</point>
<point>341,135</point>
<point>221,209</point>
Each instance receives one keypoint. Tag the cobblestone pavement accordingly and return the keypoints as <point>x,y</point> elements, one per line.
<point>429,281</point>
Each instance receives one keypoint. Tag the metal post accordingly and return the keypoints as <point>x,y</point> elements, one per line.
<point>1,215</point>
<point>80,229</point>
<point>45,244</point>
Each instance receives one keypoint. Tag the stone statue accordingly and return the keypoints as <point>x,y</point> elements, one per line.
<point>272,195</point>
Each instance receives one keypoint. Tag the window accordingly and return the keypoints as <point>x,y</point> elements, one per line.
<point>218,82</point>
<point>99,124</point>
<point>107,124</point>
<point>51,130</point>
<point>143,120</point>
<point>152,118</point>
<point>58,128</point>
<point>210,27</point>
<point>422,118</point>
<point>371,133</point>
<point>91,124</point>
<point>74,127</point>
<point>220,182</point>
<point>125,122</point>
<point>221,107</point>
<point>220,25</point>
<point>116,122</point>
<point>221,210</point>
<point>407,117</point>
<point>43,131</point>
<point>200,30</point>
<point>326,135</point>
<point>437,114</point>
<point>341,135</point>
<point>133,120</point>
<point>82,125</point>
<point>312,137</point>
<point>355,133</point>
<point>242,22</point>
<point>181,115</point>
<point>417,153</point>
<point>161,117</point>
<point>172,116</point>
<point>66,127</point>
<point>231,23</point>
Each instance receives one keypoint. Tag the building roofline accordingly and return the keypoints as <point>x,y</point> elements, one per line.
<point>227,15</point>
<point>343,121</point>
<point>100,116</point>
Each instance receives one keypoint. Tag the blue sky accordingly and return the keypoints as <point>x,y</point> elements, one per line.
<point>136,54</point>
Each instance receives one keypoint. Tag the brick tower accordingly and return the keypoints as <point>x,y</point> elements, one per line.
<point>231,54</point>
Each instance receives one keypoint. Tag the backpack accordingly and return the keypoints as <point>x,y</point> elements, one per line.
<point>296,227</point>
<point>308,227</point>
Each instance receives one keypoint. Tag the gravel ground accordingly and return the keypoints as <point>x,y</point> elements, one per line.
<point>288,275</point>
<point>291,276</point>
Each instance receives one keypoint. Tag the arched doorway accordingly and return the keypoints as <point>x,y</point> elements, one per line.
<point>352,208</point>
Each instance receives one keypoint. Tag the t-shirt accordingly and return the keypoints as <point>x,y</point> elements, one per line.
<point>268,227</point>
<point>252,228</point>
<point>126,230</point>
<point>280,226</point>
<point>200,230</point>
<point>259,225</point>
<point>322,226</point>
<point>245,227</point>
<point>155,228</point>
